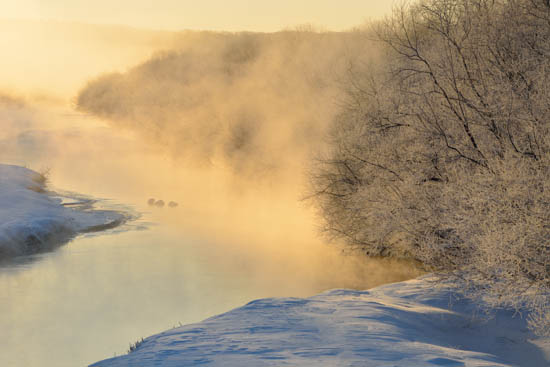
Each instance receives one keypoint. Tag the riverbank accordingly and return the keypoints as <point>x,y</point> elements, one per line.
<point>33,219</point>
<point>410,324</point>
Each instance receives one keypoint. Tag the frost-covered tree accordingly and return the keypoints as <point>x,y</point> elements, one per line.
<point>442,151</point>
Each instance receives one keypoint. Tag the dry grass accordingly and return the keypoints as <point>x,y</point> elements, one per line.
<point>41,180</point>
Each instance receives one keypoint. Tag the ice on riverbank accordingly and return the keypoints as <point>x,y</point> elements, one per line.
<point>33,220</point>
<point>404,324</point>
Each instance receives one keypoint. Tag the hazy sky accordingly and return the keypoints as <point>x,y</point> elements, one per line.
<point>255,15</point>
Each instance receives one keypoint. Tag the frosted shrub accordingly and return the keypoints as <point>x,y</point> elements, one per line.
<point>442,152</point>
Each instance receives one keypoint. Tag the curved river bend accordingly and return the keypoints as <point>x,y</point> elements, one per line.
<point>226,244</point>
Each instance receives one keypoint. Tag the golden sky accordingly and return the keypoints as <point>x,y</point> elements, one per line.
<point>231,15</point>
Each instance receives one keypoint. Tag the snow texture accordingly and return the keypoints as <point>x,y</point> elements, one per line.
<point>34,220</point>
<point>407,324</point>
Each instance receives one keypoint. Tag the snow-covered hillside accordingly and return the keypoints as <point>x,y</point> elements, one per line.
<point>405,324</point>
<point>34,220</point>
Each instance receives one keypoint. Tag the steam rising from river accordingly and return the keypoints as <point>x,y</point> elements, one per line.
<point>257,104</point>
<point>223,124</point>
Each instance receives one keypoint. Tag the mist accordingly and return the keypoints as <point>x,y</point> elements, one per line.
<point>225,124</point>
<point>52,60</point>
<point>257,104</point>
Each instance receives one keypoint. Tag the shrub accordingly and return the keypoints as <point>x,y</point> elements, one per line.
<point>442,151</point>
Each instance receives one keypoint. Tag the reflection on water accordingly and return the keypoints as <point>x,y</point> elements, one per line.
<point>88,300</point>
<point>227,242</point>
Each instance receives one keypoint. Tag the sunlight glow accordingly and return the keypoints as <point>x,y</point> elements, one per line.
<point>236,15</point>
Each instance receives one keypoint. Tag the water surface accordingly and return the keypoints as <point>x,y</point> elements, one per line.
<point>229,241</point>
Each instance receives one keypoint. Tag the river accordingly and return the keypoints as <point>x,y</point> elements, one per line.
<point>229,241</point>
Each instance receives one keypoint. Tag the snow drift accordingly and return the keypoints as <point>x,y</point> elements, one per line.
<point>34,220</point>
<point>408,324</point>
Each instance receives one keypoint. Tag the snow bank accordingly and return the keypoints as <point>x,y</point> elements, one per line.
<point>404,324</point>
<point>33,220</point>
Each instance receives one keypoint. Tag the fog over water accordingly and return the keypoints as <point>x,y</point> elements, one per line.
<point>228,138</point>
